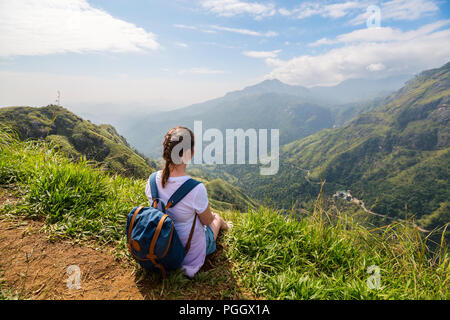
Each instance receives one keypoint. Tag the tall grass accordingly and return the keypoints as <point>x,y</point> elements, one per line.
<point>77,199</point>
<point>323,256</point>
<point>327,255</point>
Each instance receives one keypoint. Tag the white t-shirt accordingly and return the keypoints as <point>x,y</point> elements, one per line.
<point>182,213</point>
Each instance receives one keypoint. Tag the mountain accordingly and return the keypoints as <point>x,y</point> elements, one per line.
<point>295,110</point>
<point>395,157</point>
<point>355,90</point>
<point>269,110</point>
<point>224,196</point>
<point>272,86</point>
<point>77,137</point>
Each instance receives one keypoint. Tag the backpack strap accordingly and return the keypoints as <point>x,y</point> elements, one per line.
<point>151,252</point>
<point>154,189</point>
<point>191,233</point>
<point>181,192</point>
<point>176,197</point>
<point>130,227</point>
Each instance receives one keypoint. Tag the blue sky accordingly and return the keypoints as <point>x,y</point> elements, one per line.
<point>165,54</point>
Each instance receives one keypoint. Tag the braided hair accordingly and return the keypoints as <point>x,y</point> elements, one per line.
<point>172,141</point>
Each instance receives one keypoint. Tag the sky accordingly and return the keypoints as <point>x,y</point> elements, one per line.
<point>147,55</point>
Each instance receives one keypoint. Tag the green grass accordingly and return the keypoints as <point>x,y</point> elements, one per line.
<point>76,199</point>
<point>270,255</point>
<point>327,256</point>
<point>8,294</point>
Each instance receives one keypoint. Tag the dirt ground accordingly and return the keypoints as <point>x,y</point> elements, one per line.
<point>37,268</point>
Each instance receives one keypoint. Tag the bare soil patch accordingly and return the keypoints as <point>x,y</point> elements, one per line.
<point>37,268</point>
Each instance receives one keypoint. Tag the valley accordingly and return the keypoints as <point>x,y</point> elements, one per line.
<point>394,157</point>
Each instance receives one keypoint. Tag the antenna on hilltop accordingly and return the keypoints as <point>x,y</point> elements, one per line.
<point>58,97</point>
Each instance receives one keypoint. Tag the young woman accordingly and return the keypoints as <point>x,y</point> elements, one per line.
<point>195,204</point>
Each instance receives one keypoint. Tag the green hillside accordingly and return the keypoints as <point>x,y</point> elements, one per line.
<point>271,256</point>
<point>224,196</point>
<point>77,137</point>
<point>396,157</point>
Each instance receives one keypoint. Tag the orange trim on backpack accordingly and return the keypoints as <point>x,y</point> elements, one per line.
<point>168,244</point>
<point>151,252</point>
<point>130,228</point>
<point>135,245</point>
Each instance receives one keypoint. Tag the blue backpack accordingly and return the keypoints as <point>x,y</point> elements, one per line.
<point>151,236</point>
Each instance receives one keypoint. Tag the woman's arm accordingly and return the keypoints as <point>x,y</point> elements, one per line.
<point>206,217</point>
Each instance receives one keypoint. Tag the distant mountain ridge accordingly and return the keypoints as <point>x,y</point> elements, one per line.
<point>395,157</point>
<point>295,110</point>
<point>347,91</point>
<point>271,86</point>
<point>354,90</point>
<point>271,110</point>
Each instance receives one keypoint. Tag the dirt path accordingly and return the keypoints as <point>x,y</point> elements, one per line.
<point>36,268</point>
<point>363,206</point>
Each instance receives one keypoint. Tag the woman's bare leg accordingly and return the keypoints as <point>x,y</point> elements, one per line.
<point>218,224</point>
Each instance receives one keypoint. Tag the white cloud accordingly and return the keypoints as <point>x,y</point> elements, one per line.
<point>400,10</point>
<point>322,41</point>
<point>326,10</point>
<point>357,10</point>
<point>382,34</point>
<point>181,44</point>
<point>390,10</point>
<point>376,67</point>
<point>183,26</point>
<point>40,27</point>
<point>229,8</point>
<point>306,9</point>
<point>365,52</point>
<point>284,12</point>
<point>220,45</point>
<point>261,54</point>
<point>246,31</point>
<point>201,70</point>
<point>338,10</point>
<point>408,9</point>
